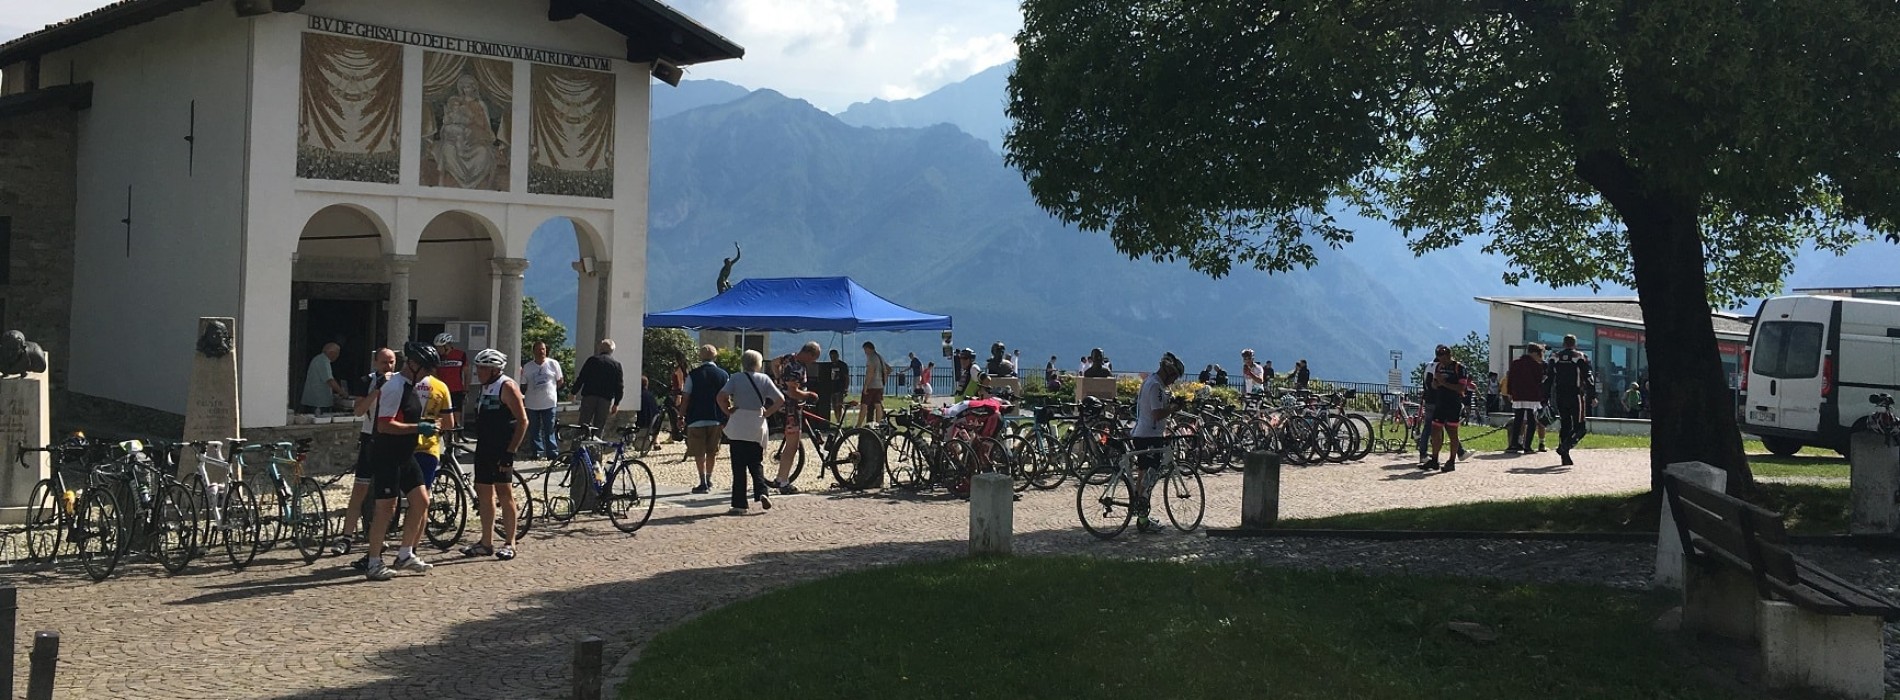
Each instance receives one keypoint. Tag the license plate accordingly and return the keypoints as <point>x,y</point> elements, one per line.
<point>1761,417</point>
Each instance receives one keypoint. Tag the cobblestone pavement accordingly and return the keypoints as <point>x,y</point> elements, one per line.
<point>481,628</point>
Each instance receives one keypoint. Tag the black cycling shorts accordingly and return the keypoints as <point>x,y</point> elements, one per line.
<point>493,465</point>
<point>364,475</point>
<point>393,466</point>
<point>1447,413</point>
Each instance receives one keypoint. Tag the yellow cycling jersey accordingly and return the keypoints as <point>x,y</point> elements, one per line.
<point>434,396</point>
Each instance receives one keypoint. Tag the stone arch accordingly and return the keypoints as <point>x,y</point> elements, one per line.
<point>568,273</point>
<point>339,289</point>
<point>452,282</point>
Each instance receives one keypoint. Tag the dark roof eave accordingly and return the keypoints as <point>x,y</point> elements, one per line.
<point>89,26</point>
<point>75,96</point>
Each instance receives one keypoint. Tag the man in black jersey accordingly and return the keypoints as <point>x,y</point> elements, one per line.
<point>1572,390</point>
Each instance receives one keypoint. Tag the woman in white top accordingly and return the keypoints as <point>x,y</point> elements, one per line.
<point>747,399</point>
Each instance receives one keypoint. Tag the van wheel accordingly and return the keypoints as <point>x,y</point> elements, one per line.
<point>1781,447</point>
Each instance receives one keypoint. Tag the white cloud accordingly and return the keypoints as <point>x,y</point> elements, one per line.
<point>954,60</point>
<point>802,25</point>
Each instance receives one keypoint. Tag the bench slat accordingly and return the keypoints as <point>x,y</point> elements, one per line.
<point>1861,598</point>
<point>1774,560</point>
<point>1805,597</point>
<point>1716,532</point>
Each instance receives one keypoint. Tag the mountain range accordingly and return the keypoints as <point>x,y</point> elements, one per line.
<point>912,199</point>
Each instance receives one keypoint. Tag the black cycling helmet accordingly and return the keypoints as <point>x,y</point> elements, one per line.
<point>423,354</point>
<point>1169,361</point>
<point>966,352</point>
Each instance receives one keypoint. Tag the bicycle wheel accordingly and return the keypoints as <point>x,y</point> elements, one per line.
<point>1025,469</point>
<point>242,527</point>
<point>310,519</point>
<point>1184,498</point>
<point>903,461</point>
<point>174,527</point>
<point>992,455</point>
<point>270,510</point>
<point>44,526</point>
<point>629,495</point>
<point>856,457</point>
<point>1212,443</point>
<point>524,506</point>
<point>798,458</point>
<point>1102,502</point>
<point>557,485</point>
<point>1362,434</point>
<point>98,532</point>
<point>448,509</point>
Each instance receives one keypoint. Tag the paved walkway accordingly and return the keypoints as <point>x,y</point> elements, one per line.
<point>493,630</point>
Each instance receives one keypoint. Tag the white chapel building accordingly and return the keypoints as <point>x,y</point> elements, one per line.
<point>352,171</point>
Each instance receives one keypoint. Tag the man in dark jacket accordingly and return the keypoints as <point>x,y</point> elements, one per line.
<point>1572,390</point>
<point>1524,385</point>
<point>600,386</point>
<point>699,403</point>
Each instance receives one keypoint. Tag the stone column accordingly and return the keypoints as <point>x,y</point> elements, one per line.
<point>1871,466</point>
<point>603,296</point>
<point>586,299</point>
<point>508,273</point>
<point>398,298</point>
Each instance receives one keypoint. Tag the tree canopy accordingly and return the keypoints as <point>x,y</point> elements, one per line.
<point>1687,148</point>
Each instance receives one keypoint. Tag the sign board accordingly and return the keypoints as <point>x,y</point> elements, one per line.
<point>1393,382</point>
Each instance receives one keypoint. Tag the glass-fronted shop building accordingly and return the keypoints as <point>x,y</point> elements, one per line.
<point>1608,329</point>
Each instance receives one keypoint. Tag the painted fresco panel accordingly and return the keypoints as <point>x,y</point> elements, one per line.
<point>348,122</point>
<point>572,127</point>
<point>467,103</point>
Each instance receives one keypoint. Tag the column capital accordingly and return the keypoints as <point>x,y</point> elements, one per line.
<point>509,267</point>
<point>399,264</point>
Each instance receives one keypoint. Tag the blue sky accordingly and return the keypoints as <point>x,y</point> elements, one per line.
<point>828,52</point>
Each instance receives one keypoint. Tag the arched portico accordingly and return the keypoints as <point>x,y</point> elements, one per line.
<point>338,288</point>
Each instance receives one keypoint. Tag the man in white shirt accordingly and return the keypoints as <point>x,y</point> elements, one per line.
<point>1152,409</point>
<point>1251,379</point>
<point>540,378</point>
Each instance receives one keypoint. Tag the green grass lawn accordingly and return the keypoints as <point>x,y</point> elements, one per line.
<point>1810,509</point>
<point>1073,627</point>
<point>1809,462</point>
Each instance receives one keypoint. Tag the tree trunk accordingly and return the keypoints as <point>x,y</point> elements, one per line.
<point>1692,415</point>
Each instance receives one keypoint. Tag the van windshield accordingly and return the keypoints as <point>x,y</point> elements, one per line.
<point>1787,350</point>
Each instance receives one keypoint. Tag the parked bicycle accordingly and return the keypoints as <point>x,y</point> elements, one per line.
<point>1106,499</point>
<point>224,507</point>
<point>621,488</point>
<point>135,508</point>
<point>51,507</point>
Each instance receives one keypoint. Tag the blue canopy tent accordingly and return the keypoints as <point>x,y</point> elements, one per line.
<point>798,304</point>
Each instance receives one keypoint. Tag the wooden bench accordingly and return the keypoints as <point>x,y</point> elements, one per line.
<point>1744,581</point>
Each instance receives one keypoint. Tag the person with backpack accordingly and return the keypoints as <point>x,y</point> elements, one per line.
<point>1572,390</point>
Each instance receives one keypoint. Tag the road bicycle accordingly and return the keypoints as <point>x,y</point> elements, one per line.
<point>916,458</point>
<point>292,505</point>
<point>52,504</point>
<point>621,488</point>
<point>134,508</point>
<point>1105,498</point>
<point>225,509</point>
<point>458,453</point>
<point>854,456</point>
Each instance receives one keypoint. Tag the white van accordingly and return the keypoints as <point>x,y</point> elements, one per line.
<point>1811,365</point>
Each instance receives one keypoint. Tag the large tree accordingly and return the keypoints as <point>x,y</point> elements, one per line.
<point>1685,147</point>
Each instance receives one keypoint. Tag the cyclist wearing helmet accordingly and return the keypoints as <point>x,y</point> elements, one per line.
<point>438,404</point>
<point>399,424</point>
<point>1152,409</point>
<point>500,422</point>
<point>453,371</point>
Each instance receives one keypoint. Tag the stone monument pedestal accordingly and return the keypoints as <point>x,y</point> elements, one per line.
<point>25,420</point>
<point>211,400</point>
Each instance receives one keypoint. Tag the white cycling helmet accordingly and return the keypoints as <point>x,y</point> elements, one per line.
<point>442,339</point>
<point>490,358</point>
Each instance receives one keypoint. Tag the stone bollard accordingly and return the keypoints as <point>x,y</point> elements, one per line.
<point>1871,473</point>
<point>1260,491</point>
<point>25,420</point>
<point>992,514</point>
<point>587,668</point>
<point>1669,573</point>
<point>45,660</point>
